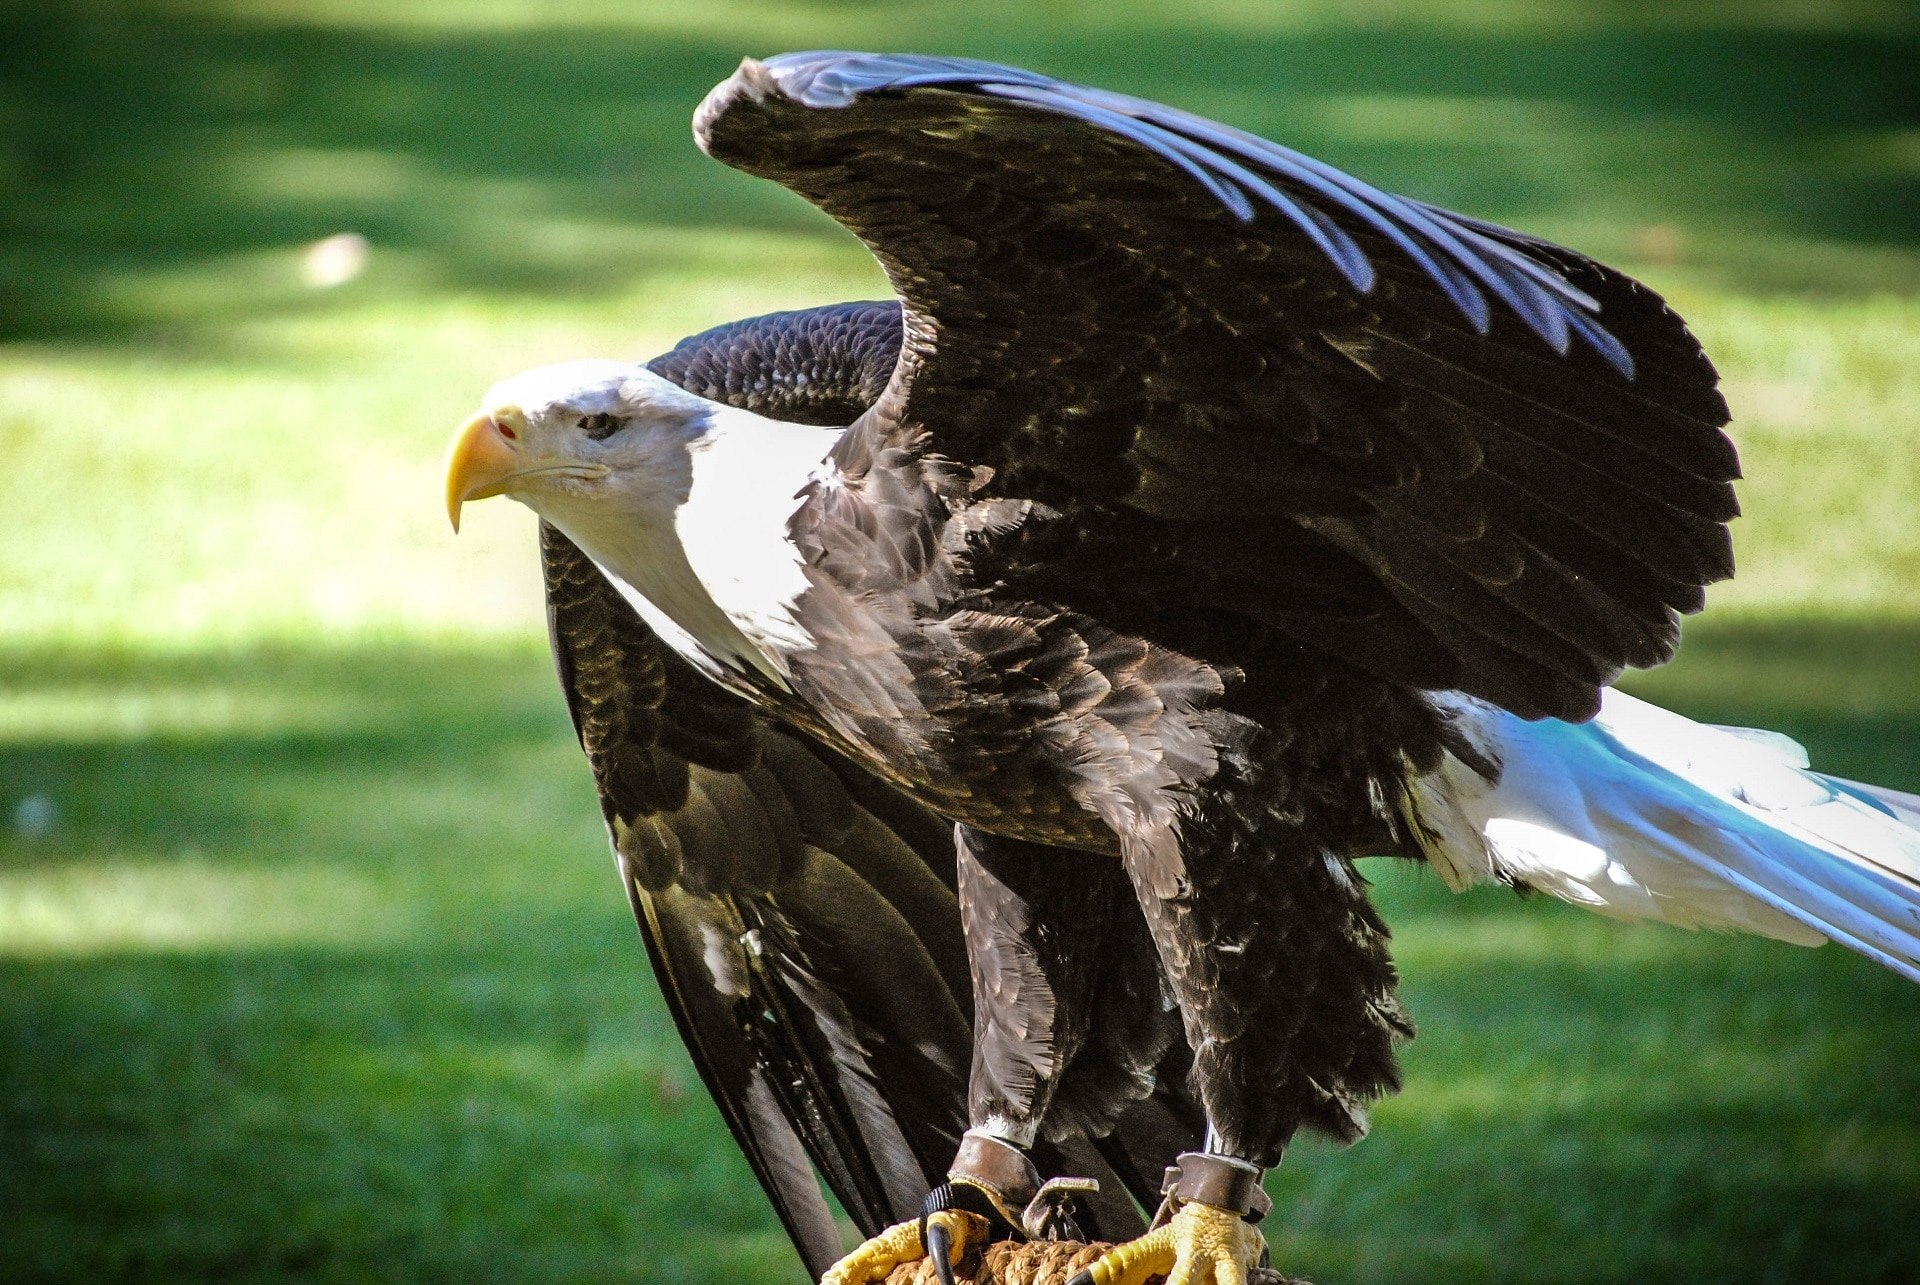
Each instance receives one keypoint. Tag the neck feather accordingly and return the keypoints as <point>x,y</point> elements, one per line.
<point>718,577</point>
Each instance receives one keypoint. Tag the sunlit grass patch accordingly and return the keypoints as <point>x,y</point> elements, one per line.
<point>278,473</point>
<point>254,489</point>
<point>218,802</point>
<point>108,904</point>
<point>1826,399</point>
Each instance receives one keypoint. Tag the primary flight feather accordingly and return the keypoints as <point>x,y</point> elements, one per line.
<point>989,690</point>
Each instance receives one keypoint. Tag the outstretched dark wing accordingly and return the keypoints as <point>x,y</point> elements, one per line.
<point>1448,454</point>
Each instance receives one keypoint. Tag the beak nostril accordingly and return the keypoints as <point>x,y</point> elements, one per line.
<point>506,430</point>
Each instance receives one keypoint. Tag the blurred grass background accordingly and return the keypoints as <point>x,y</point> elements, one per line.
<point>311,965</point>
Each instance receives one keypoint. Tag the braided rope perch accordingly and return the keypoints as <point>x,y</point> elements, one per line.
<point>1039,1262</point>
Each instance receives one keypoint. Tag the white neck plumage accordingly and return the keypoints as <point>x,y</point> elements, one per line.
<point>718,576</point>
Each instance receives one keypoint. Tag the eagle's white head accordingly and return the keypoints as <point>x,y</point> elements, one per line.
<point>683,502</point>
<point>581,439</point>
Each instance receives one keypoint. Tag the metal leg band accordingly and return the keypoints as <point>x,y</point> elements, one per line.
<point>1220,1181</point>
<point>1000,1171</point>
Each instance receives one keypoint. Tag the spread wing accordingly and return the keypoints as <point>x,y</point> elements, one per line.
<point>1448,454</point>
<point>800,914</point>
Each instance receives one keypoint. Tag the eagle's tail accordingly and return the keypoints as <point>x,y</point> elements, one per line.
<point>1644,814</point>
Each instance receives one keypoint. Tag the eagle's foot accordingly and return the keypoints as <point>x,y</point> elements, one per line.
<point>950,1233</point>
<point>1199,1245</point>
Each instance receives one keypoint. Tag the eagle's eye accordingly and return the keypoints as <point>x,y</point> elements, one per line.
<point>600,426</point>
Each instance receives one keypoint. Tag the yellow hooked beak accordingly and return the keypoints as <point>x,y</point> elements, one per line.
<point>479,462</point>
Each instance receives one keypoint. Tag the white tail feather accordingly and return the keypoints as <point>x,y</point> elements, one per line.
<point>1643,814</point>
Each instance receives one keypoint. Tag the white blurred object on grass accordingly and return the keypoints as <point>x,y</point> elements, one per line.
<point>334,260</point>
<point>35,816</point>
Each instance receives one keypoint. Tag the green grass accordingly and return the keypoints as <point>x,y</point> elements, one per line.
<point>320,972</point>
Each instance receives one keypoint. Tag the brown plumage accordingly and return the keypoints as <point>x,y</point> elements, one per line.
<point>1156,518</point>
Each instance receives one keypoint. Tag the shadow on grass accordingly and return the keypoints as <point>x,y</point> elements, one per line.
<point>144,139</point>
<point>514,1110</point>
<point>319,973</point>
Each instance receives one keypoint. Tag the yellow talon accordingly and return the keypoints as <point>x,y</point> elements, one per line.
<point>900,1243</point>
<point>1199,1245</point>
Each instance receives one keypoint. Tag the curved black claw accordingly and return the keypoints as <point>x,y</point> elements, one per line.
<point>940,1250</point>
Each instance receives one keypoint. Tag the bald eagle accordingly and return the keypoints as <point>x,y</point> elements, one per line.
<point>989,690</point>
